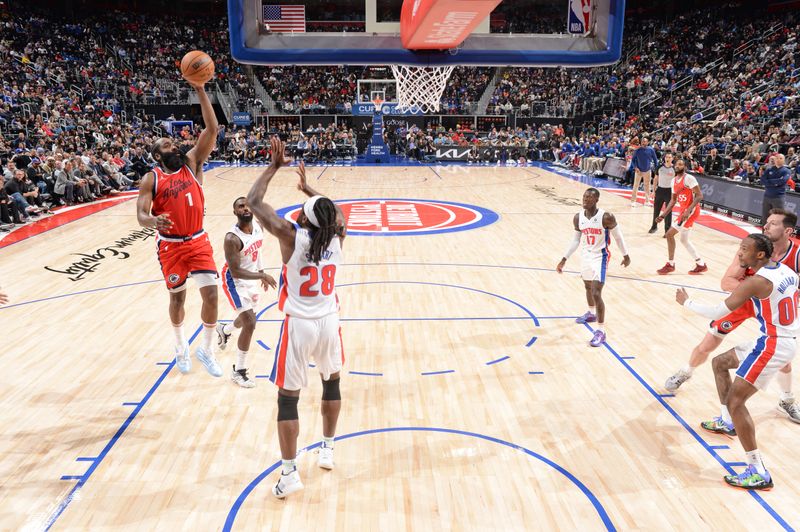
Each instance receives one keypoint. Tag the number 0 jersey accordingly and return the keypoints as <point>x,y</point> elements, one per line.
<point>308,290</point>
<point>777,313</point>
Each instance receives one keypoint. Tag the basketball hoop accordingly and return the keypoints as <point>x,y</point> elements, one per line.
<point>420,88</point>
<point>378,103</point>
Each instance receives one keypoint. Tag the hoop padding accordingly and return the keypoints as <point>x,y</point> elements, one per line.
<point>420,88</point>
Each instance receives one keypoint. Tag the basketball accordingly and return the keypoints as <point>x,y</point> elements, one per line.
<point>197,67</point>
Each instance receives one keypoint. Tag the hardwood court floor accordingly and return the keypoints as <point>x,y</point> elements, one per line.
<point>101,432</point>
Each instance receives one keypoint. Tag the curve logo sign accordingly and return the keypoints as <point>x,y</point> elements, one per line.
<point>394,217</point>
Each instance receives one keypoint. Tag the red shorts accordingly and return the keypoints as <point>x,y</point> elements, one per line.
<point>690,220</point>
<point>179,260</point>
<point>728,323</point>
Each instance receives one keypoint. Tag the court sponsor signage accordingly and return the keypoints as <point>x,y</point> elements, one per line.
<point>738,199</point>
<point>368,109</point>
<point>396,217</point>
<point>89,262</point>
<point>242,119</point>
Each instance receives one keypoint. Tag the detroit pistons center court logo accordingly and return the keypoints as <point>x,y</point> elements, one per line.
<point>395,217</point>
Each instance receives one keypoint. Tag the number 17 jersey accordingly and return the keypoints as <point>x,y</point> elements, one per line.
<point>308,290</point>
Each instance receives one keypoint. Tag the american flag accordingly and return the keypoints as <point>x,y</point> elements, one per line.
<point>285,18</point>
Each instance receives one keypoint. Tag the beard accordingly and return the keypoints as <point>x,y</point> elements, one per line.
<point>245,218</point>
<point>173,161</point>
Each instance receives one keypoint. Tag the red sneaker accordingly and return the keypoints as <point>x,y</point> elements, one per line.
<point>668,268</point>
<point>698,270</point>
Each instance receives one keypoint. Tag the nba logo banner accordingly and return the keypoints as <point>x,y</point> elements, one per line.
<point>580,15</point>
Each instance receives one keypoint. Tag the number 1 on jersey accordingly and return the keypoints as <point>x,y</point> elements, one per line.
<point>189,199</point>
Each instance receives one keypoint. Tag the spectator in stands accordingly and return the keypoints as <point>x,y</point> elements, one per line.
<point>714,164</point>
<point>18,193</point>
<point>644,161</point>
<point>774,177</point>
<point>64,186</point>
<point>9,213</point>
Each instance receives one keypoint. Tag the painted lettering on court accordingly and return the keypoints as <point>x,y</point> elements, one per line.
<point>89,262</point>
<point>397,216</point>
<point>551,194</point>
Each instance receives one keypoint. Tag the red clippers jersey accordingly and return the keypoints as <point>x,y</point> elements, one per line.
<point>180,195</point>
<point>791,259</point>
<point>683,187</point>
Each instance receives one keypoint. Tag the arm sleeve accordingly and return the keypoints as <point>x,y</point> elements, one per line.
<point>576,240</point>
<point>617,234</point>
<point>710,312</point>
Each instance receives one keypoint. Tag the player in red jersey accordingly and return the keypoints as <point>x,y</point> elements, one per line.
<point>171,201</point>
<point>687,194</point>
<point>778,228</point>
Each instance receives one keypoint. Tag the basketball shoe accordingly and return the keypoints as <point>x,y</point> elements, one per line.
<point>791,409</point>
<point>586,318</point>
<point>698,269</point>
<point>239,376</point>
<point>288,484</point>
<point>598,339</point>
<point>719,426</point>
<point>182,358</point>
<point>668,268</point>
<point>209,361</point>
<point>750,479</point>
<point>222,338</point>
<point>325,459</point>
<point>674,382</point>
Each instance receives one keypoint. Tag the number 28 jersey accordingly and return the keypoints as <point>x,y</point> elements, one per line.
<point>308,290</point>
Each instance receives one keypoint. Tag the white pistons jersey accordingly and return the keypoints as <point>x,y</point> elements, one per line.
<point>308,290</point>
<point>250,255</point>
<point>777,314</point>
<point>594,237</point>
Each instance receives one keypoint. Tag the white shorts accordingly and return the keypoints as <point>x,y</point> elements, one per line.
<point>242,296</point>
<point>301,341</point>
<point>760,359</point>
<point>594,266</point>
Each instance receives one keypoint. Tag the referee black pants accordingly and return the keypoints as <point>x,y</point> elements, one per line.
<point>663,195</point>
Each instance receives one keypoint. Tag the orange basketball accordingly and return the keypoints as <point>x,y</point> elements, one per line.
<point>197,67</point>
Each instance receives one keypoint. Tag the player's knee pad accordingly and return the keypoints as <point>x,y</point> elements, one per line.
<point>330,390</point>
<point>287,407</point>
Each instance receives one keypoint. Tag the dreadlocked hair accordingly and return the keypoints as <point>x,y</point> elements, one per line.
<point>321,238</point>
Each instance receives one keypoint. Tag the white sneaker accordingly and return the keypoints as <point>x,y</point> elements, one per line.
<point>209,361</point>
<point>182,358</point>
<point>634,204</point>
<point>287,485</point>
<point>325,459</point>
<point>239,376</point>
<point>674,382</point>
<point>791,409</point>
<point>222,338</point>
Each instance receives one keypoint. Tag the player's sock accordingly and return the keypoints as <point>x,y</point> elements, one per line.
<point>726,416</point>
<point>180,336</point>
<point>327,442</point>
<point>593,310</point>
<point>287,466</point>
<point>754,459</point>
<point>699,261</point>
<point>671,263</point>
<point>227,328</point>
<point>209,334</point>
<point>600,327</point>
<point>687,369</point>
<point>241,359</point>
<point>785,382</point>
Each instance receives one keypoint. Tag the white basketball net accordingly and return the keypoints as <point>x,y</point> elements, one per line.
<point>420,88</point>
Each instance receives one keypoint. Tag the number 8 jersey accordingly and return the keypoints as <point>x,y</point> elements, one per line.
<point>308,290</point>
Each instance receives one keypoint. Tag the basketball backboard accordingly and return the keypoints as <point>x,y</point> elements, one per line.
<point>372,35</point>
